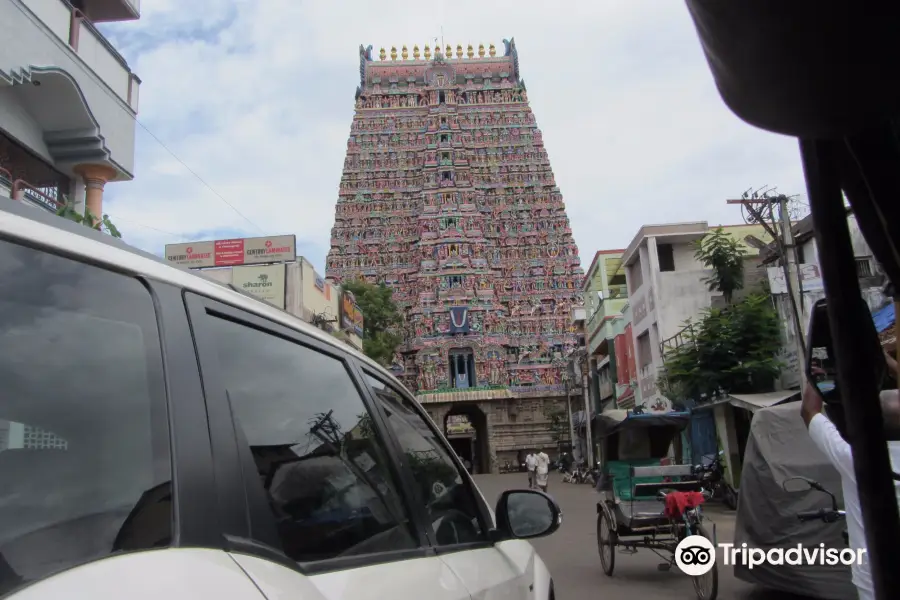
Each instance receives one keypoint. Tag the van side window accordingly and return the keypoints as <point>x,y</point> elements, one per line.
<point>449,501</point>
<point>84,442</point>
<point>316,449</point>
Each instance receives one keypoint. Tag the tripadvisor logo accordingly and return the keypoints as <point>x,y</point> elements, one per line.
<point>695,555</point>
<point>261,282</point>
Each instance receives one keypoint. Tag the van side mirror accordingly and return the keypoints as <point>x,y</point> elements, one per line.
<point>527,514</point>
<point>821,364</point>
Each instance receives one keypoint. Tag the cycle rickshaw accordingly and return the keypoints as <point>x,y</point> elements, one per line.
<point>635,482</point>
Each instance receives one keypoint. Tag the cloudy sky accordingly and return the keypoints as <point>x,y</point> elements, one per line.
<point>246,107</point>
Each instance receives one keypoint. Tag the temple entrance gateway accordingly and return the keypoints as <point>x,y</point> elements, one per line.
<point>465,427</point>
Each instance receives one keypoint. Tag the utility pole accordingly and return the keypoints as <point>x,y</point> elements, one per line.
<point>758,208</point>
<point>587,412</point>
<point>569,415</point>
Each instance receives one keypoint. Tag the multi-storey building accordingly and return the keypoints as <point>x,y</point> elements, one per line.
<point>605,295</point>
<point>667,286</point>
<point>68,102</point>
<point>448,197</point>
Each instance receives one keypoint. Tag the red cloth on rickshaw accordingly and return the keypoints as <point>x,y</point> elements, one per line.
<point>678,502</point>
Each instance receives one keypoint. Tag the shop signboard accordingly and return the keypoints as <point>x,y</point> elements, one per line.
<point>266,282</point>
<point>351,315</point>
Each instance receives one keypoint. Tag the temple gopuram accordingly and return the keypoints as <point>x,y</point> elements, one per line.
<point>447,196</point>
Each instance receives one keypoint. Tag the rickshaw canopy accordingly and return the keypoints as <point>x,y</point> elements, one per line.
<point>613,421</point>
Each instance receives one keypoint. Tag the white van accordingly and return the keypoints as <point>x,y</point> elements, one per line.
<point>165,436</point>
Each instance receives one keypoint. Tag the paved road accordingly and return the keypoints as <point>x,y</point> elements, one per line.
<point>571,553</point>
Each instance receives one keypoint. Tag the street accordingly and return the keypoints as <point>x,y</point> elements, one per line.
<point>572,557</point>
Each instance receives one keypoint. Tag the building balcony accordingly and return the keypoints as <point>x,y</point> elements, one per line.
<point>101,11</point>
<point>70,96</point>
<point>608,307</point>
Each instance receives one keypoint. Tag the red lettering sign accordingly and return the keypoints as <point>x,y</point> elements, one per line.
<point>229,252</point>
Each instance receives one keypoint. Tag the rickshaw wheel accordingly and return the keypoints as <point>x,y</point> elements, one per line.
<point>606,543</point>
<point>707,585</point>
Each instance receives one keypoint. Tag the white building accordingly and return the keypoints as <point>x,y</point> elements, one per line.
<point>68,101</point>
<point>665,288</point>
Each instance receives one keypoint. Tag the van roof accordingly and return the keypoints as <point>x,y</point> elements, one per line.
<point>19,221</point>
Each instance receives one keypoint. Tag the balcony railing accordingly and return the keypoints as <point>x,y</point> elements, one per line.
<point>608,306</point>
<point>85,40</point>
<point>17,189</point>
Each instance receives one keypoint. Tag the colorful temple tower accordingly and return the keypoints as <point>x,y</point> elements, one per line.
<point>447,196</point>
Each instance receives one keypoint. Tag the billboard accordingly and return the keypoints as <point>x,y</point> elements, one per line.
<point>227,253</point>
<point>265,282</point>
<point>351,316</point>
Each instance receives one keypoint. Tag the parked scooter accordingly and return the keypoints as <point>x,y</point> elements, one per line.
<point>712,474</point>
<point>832,515</point>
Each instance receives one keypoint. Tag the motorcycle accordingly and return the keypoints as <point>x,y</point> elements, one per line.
<point>832,515</point>
<point>712,475</point>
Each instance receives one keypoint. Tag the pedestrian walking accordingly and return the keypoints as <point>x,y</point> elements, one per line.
<point>542,470</point>
<point>530,463</point>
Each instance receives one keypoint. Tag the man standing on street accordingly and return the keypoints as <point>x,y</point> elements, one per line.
<point>530,464</point>
<point>542,470</point>
<point>827,438</point>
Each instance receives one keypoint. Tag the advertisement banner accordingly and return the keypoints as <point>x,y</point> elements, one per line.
<point>265,282</point>
<point>809,275</point>
<point>226,253</point>
<point>351,316</point>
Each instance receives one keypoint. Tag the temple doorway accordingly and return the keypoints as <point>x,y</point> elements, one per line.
<point>465,427</point>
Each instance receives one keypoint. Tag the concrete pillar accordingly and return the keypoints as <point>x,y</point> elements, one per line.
<point>95,178</point>
<point>76,195</point>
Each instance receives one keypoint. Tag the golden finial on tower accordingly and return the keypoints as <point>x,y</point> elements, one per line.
<point>416,52</point>
<point>470,52</point>
<point>449,53</point>
<point>393,52</point>
<point>427,52</point>
<point>382,55</point>
<point>459,51</point>
<point>493,50</point>
<point>404,52</point>
<point>480,50</point>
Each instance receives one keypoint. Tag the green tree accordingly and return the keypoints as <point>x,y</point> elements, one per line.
<point>729,350</point>
<point>559,424</point>
<point>381,318</point>
<point>88,219</point>
<point>722,254</point>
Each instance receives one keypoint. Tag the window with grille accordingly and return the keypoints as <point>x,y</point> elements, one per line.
<point>864,267</point>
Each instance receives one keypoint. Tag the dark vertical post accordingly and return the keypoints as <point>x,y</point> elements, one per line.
<point>847,315</point>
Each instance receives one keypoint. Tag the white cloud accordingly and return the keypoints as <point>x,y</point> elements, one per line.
<point>256,97</point>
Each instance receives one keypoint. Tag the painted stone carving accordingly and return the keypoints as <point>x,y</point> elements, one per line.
<point>448,197</point>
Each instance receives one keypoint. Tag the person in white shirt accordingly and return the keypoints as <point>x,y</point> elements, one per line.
<point>827,438</point>
<point>542,470</point>
<point>530,464</point>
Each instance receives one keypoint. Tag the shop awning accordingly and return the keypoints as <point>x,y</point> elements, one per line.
<point>754,402</point>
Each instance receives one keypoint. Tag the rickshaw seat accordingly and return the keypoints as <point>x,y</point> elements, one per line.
<point>642,490</point>
<point>623,482</point>
<point>642,513</point>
